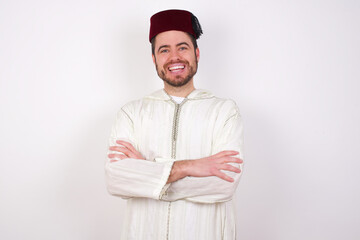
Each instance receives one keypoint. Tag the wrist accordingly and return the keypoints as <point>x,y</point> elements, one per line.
<point>180,169</point>
<point>184,167</point>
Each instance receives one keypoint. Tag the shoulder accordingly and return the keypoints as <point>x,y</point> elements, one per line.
<point>226,102</point>
<point>133,106</point>
<point>225,105</point>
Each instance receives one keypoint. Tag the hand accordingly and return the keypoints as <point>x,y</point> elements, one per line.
<point>211,166</point>
<point>126,150</point>
<point>205,167</point>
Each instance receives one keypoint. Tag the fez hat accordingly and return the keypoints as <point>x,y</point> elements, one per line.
<point>174,19</point>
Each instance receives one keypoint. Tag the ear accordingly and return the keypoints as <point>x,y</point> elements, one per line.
<point>197,52</point>
<point>153,57</point>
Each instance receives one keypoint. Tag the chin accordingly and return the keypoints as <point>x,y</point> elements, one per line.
<point>177,83</point>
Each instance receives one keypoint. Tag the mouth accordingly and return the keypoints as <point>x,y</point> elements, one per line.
<point>178,67</point>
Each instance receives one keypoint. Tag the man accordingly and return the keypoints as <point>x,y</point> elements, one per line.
<point>175,154</point>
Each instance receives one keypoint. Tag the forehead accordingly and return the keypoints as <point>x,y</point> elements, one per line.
<point>172,38</point>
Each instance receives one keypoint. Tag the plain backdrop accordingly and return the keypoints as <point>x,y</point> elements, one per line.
<point>66,68</point>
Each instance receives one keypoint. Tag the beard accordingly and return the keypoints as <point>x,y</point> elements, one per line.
<point>179,81</point>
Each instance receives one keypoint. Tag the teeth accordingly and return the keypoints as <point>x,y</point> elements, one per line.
<point>176,67</point>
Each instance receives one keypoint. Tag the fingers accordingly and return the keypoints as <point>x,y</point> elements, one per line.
<point>118,156</point>
<point>123,150</point>
<point>127,145</point>
<point>223,176</point>
<point>232,160</point>
<point>226,167</point>
<point>116,148</point>
<point>126,149</point>
<point>219,158</point>
<point>226,153</point>
<point>231,168</point>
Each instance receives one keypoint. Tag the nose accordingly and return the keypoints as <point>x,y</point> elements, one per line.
<point>174,55</point>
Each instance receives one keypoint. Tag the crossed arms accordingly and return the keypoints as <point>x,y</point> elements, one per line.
<point>203,167</point>
<point>206,180</point>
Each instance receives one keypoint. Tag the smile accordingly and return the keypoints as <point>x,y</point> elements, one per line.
<point>176,67</point>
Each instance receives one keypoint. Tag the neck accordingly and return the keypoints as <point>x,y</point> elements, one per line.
<point>182,91</point>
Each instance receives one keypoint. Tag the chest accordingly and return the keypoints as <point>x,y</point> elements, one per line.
<point>182,131</point>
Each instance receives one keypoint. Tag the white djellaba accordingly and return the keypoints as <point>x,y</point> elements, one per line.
<point>163,132</point>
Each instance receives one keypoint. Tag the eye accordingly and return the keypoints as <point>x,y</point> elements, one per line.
<point>164,51</point>
<point>182,48</point>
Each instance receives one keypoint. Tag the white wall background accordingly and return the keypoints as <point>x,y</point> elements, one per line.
<point>66,67</point>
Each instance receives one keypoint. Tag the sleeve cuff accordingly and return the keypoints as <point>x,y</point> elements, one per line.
<point>161,191</point>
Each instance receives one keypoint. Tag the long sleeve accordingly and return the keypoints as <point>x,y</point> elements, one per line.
<point>213,189</point>
<point>133,177</point>
<point>163,133</point>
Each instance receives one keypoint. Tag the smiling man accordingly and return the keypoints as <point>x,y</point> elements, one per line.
<point>175,155</point>
<point>175,58</point>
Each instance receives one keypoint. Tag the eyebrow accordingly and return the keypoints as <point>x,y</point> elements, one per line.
<point>179,44</point>
<point>183,43</point>
<point>163,46</point>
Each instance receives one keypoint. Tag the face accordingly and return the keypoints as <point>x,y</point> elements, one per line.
<point>175,58</point>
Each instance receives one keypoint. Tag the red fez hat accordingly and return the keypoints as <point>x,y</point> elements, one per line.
<point>180,20</point>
